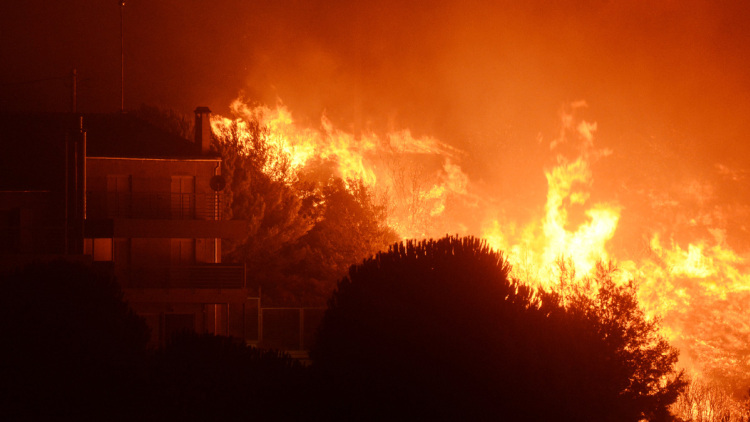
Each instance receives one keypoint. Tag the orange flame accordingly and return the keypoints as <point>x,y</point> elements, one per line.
<point>391,163</point>
<point>701,290</point>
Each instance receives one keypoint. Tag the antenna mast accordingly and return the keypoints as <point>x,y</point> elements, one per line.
<point>122,59</point>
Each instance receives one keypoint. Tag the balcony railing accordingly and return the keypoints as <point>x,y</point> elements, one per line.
<point>207,276</point>
<point>154,205</point>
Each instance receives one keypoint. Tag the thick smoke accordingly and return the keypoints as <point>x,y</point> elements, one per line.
<point>665,82</point>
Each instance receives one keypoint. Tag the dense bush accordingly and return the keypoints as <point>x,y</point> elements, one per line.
<point>207,377</point>
<point>438,329</point>
<point>72,347</point>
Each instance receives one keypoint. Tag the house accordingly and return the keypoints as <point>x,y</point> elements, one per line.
<point>144,204</point>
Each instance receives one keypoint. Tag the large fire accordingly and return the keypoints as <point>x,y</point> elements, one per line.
<point>699,287</point>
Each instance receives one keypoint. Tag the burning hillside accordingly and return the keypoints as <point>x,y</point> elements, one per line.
<point>678,244</point>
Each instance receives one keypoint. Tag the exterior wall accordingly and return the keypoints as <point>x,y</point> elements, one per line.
<point>136,188</point>
<point>164,230</point>
<point>150,175</point>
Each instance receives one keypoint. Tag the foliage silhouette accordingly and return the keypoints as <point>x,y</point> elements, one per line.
<point>349,230</point>
<point>166,119</point>
<point>644,356</point>
<point>72,347</point>
<point>437,329</point>
<point>305,228</point>
<point>207,377</point>
<point>263,190</point>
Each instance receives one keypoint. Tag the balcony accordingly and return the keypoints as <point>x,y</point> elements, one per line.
<point>206,276</point>
<point>154,205</point>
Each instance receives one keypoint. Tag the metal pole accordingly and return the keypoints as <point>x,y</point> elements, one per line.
<point>302,328</point>
<point>68,140</point>
<point>75,91</point>
<point>122,59</point>
<point>260,323</point>
<point>82,152</point>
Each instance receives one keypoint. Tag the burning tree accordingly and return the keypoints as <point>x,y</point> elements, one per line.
<point>645,357</point>
<point>439,328</point>
<point>305,226</point>
<point>262,189</point>
<point>705,402</point>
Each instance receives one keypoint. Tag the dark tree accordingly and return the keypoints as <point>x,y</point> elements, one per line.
<point>304,228</point>
<point>646,381</point>
<point>351,228</point>
<point>279,209</point>
<point>207,377</point>
<point>72,347</point>
<point>263,190</point>
<point>437,329</point>
<point>167,120</point>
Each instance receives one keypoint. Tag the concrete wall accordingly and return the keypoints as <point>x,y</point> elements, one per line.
<point>150,175</point>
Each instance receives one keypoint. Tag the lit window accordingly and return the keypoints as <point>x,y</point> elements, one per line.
<point>102,249</point>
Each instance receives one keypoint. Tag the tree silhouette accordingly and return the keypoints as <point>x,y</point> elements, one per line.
<point>207,377</point>
<point>305,228</point>
<point>437,329</point>
<point>167,119</point>
<point>350,229</point>
<point>645,357</point>
<point>72,347</point>
<point>263,190</point>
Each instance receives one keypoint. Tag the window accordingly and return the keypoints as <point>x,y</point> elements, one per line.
<point>183,197</point>
<point>118,195</point>
<point>99,248</point>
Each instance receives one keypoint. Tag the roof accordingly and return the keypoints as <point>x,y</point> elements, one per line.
<point>33,144</point>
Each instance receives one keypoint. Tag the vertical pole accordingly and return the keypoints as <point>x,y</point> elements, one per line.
<point>74,93</point>
<point>260,318</point>
<point>216,318</point>
<point>260,323</point>
<point>301,328</point>
<point>76,180</point>
<point>68,147</point>
<point>83,168</point>
<point>122,59</point>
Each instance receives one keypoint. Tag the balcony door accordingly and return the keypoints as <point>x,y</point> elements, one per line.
<point>183,252</point>
<point>183,197</point>
<point>118,196</point>
<point>183,255</point>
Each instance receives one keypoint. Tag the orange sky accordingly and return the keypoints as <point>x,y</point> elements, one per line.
<point>666,81</point>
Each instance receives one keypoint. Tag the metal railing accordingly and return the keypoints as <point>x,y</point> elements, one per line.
<point>207,276</point>
<point>154,205</point>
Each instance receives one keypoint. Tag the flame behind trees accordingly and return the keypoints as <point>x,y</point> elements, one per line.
<point>303,231</point>
<point>695,281</point>
<point>408,326</point>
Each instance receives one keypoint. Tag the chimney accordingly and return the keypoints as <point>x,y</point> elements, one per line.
<point>203,128</point>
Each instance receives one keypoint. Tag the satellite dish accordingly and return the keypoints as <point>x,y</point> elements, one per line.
<point>218,183</point>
